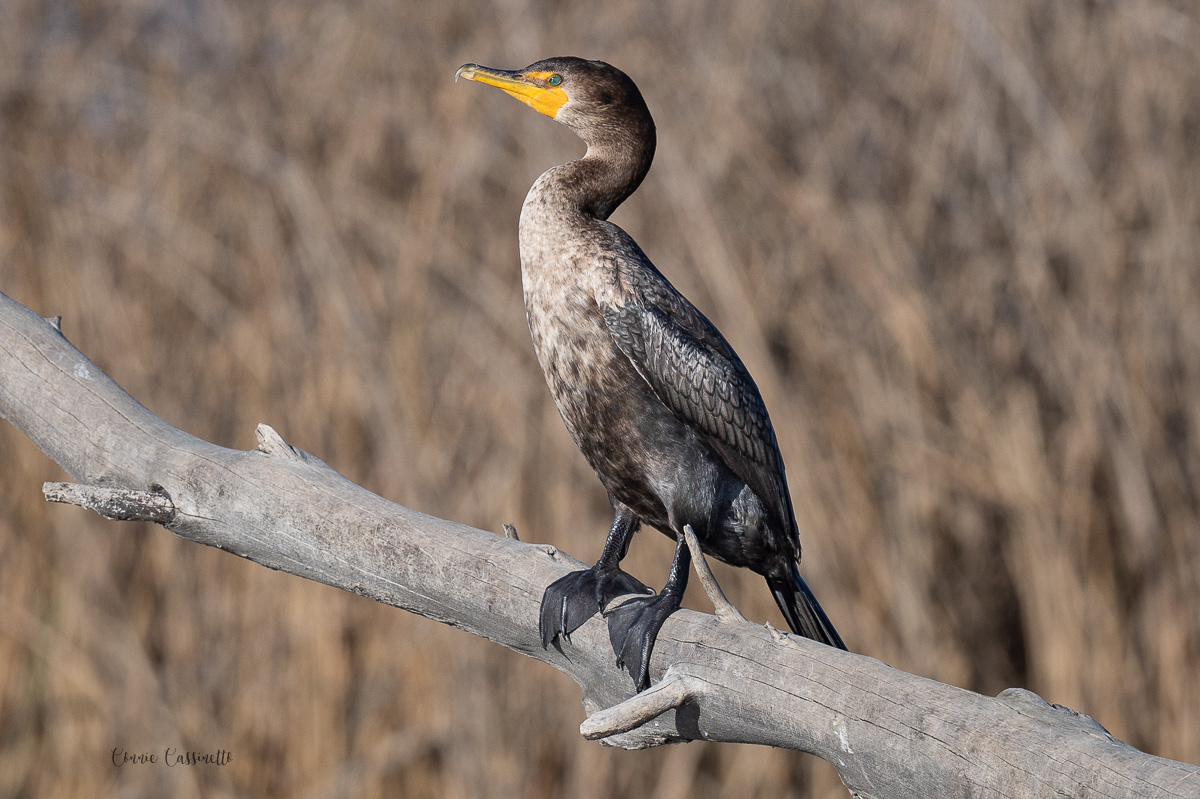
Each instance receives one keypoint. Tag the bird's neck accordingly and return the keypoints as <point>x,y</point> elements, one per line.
<point>596,184</point>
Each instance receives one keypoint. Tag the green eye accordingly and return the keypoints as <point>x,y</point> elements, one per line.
<point>554,80</point>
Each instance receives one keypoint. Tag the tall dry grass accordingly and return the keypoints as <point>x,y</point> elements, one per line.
<point>955,241</point>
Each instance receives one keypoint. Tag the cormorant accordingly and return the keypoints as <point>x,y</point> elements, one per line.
<point>657,400</point>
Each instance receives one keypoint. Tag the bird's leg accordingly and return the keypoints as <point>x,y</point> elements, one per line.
<point>575,598</point>
<point>633,626</point>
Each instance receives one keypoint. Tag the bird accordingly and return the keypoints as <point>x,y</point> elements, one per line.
<point>658,402</point>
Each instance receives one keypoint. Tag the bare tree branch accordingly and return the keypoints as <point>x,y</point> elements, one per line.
<point>890,734</point>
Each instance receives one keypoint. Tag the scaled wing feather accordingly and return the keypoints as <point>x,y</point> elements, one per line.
<point>698,376</point>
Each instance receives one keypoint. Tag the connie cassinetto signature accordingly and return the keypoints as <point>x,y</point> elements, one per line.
<point>170,757</point>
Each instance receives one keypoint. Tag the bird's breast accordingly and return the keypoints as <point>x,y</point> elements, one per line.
<point>582,367</point>
<point>562,273</point>
<point>609,411</point>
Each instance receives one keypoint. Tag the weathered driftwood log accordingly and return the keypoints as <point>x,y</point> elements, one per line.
<point>890,734</point>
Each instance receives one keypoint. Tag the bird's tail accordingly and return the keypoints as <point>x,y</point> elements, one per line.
<point>801,609</point>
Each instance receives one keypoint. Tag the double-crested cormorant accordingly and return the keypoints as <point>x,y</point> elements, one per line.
<point>657,400</point>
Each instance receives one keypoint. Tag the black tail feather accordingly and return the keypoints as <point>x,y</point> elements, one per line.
<point>801,609</point>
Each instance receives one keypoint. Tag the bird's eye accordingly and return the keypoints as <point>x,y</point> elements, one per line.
<point>554,80</point>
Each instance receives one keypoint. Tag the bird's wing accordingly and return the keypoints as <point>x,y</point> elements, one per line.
<point>698,376</point>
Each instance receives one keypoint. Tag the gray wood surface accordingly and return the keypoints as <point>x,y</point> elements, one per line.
<point>889,733</point>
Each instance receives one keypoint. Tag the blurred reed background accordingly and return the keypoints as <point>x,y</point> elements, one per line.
<point>955,241</point>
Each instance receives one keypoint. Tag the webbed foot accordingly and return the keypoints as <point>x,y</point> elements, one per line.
<point>575,598</point>
<point>632,629</point>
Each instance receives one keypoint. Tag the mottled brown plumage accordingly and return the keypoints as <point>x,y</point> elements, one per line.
<point>656,399</point>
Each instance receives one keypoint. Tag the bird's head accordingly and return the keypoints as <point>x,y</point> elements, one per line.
<point>590,97</point>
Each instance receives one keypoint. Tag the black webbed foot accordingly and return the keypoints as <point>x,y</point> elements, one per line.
<point>575,598</point>
<point>632,628</point>
<point>633,625</point>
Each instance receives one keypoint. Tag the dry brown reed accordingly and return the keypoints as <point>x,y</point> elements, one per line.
<point>956,242</point>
